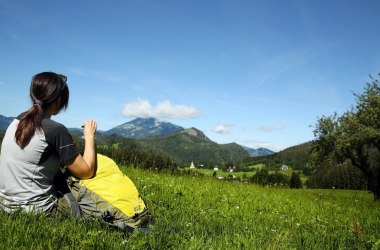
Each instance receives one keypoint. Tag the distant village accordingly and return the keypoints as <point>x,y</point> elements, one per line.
<point>229,169</point>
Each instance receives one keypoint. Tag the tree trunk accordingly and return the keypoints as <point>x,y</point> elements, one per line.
<point>374,185</point>
<point>373,176</point>
<point>376,195</point>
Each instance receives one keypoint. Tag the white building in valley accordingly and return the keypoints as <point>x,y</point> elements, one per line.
<point>192,165</point>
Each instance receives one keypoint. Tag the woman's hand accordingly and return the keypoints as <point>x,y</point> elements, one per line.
<point>89,129</point>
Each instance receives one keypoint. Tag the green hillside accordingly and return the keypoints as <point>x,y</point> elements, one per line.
<point>192,145</point>
<point>296,157</point>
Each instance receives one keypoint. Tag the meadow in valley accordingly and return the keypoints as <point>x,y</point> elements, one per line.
<point>202,212</point>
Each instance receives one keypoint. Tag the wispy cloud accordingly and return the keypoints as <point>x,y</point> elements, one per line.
<point>164,109</point>
<point>222,129</point>
<point>107,76</point>
<point>271,128</point>
<point>79,72</point>
<point>275,66</point>
<point>256,144</point>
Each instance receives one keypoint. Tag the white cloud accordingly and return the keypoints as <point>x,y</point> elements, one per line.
<point>271,128</point>
<point>164,109</point>
<point>222,129</point>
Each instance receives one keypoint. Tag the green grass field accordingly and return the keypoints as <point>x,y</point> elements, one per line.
<point>210,172</point>
<point>204,213</point>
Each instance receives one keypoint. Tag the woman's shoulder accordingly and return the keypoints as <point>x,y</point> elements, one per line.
<point>50,126</point>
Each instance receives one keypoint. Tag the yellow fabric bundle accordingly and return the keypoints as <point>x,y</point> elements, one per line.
<point>114,187</point>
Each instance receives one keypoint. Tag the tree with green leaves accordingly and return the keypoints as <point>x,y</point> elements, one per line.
<point>354,137</point>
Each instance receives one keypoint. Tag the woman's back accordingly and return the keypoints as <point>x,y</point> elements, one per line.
<point>26,175</point>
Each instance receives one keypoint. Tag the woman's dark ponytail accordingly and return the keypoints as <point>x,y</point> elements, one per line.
<point>45,89</point>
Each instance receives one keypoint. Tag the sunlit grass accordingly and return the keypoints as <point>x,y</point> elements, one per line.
<point>204,213</point>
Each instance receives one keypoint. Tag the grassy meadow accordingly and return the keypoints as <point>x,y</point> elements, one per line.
<point>210,172</point>
<point>204,213</point>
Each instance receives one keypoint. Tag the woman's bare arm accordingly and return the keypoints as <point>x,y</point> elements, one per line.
<point>83,166</point>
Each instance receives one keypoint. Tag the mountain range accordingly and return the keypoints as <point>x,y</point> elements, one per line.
<point>143,127</point>
<point>176,141</point>
<point>5,121</point>
<point>257,152</point>
<point>146,127</point>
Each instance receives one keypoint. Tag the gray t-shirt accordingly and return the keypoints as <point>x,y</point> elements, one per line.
<point>26,175</point>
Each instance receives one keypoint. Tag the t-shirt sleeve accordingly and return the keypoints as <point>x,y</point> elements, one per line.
<point>59,137</point>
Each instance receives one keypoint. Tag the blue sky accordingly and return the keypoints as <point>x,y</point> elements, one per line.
<point>258,73</point>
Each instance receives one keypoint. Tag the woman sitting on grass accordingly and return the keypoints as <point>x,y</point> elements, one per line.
<point>35,148</point>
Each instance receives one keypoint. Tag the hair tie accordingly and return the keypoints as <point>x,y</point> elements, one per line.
<point>38,103</point>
